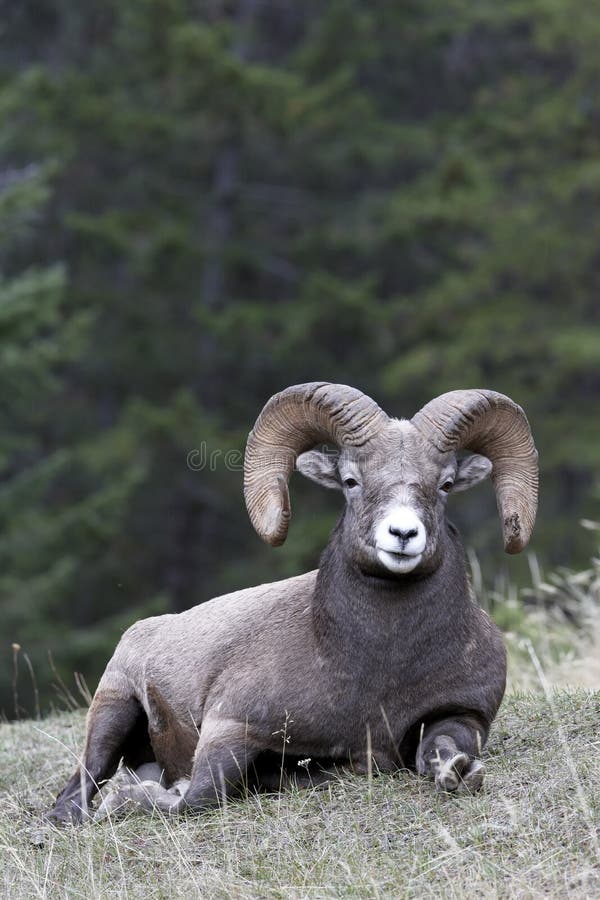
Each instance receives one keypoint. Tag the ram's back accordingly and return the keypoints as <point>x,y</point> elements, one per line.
<point>183,658</point>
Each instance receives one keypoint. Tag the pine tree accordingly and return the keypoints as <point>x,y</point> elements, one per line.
<point>222,199</point>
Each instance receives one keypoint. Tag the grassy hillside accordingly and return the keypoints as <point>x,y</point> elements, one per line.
<point>532,832</point>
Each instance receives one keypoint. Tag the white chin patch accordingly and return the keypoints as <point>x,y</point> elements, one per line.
<point>397,563</point>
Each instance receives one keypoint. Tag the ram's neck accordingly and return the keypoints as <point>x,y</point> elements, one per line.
<point>352,608</point>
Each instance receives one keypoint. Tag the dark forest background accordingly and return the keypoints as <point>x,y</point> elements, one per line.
<point>202,202</point>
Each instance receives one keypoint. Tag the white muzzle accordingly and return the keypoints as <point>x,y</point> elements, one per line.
<point>400,540</point>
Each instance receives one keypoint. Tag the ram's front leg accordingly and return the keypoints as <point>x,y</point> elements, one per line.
<point>448,752</point>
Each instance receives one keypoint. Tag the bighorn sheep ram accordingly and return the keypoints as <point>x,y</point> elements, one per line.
<point>377,660</point>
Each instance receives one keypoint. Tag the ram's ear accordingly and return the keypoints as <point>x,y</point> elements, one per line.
<point>470,471</point>
<point>320,467</point>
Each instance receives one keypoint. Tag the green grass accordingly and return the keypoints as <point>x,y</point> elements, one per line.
<point>532,832</point>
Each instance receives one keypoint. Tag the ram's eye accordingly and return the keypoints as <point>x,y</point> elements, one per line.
<point>350,482</point>
<point>447,486</point>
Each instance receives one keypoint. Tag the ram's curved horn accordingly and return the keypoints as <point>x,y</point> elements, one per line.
<point>492,424</point>
<point>291,422</point>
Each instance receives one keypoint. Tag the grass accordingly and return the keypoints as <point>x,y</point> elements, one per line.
<point>556,620</point>
<point>532,831</point>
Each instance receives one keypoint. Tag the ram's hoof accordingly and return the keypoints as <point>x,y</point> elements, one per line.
<point>460,774</point>
<point>66,813</point>
<point>128,791</point>
<point>472,780</point>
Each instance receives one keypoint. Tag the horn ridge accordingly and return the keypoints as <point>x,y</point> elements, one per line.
<point>292,421</point>
<point>490,423</point>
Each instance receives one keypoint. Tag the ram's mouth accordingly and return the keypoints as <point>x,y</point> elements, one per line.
<point>400,554</point>
<point>399,562</point>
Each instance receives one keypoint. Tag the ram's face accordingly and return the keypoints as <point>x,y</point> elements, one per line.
<point>395,497</point>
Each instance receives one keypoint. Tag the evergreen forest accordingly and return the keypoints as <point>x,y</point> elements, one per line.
<point>204,201</point>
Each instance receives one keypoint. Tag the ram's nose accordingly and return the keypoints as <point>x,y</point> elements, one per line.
<point>403,536</point>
